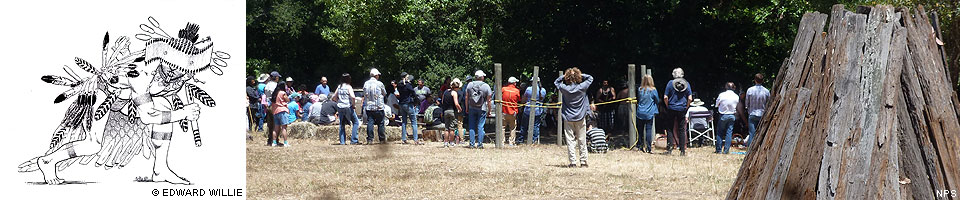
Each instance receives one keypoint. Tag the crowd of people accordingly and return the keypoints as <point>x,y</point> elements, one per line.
<point>457,106</point>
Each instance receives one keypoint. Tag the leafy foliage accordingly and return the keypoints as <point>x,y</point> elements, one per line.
<point>714,41</point>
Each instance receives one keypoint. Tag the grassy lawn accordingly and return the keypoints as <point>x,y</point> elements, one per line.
<point>319,169</point>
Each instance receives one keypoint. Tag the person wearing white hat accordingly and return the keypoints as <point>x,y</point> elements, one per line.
<point>373,105</point>
<point>478,100</point>
<point>511,95</point>
<point>289,86</point>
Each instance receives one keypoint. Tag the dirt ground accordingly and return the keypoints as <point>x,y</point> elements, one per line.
<point>318,169</point>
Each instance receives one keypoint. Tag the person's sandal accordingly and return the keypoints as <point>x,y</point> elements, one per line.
<point>572,166</point>
<point>584,165</point>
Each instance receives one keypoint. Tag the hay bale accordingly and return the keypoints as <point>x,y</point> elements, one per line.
<point>301,130</point>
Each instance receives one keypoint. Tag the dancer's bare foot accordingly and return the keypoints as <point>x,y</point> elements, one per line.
<point>49,171</point>
<point>168,176</point>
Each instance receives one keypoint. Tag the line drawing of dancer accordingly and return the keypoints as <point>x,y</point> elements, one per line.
<point>141,106</point>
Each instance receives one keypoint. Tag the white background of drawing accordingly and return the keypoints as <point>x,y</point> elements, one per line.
<point>39,37</point>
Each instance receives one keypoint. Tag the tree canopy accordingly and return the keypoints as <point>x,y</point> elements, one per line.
<point>714,41</point>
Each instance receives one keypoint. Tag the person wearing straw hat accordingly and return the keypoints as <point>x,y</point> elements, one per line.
<point>479,102</point>
<point>511,95</point>
<point>727,103</point>
<point>677,96</point>
<point>261,112</point>
<point>576,105</point>
<point>289,86</point>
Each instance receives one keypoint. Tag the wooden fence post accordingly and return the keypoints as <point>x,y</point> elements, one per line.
<point>632,118</point>
<point>498,80</point>
<point>560,115</point>
<point>535,95</point>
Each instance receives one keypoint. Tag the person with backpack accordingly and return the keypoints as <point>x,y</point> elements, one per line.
<point>478,95</point>
<point>677,95</point>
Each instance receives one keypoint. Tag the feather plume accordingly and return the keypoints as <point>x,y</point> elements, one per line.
<point>198,94</point>
<point>58,80</point>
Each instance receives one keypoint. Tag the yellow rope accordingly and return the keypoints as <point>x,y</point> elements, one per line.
<point>557,105</point>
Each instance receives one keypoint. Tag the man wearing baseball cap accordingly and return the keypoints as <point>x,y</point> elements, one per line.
<point>511,95</point>
<point>478,100</point>
<point>373,93</point>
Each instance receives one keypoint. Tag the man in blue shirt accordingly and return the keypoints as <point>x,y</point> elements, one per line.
<point>527,98</point>
<point>322,88</point>
<point>678,94</point>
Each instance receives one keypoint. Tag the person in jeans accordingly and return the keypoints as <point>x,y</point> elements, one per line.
<point>345,105</point>
<point>677,94</point>
<point>756,101</point>
<point>646,111</point>
<point>727,106</point>
<point>408,107</point>
<point>573,85</point>
<point>478,96</point>
<point>511,95</point>
<point>450,106</point>
<point>537,114</point>
<point>281,115</point>
<point>373,93</point>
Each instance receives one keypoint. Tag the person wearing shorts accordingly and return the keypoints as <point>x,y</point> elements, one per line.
<point>451,106</point>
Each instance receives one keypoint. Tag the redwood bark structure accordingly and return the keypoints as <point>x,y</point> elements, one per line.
<point>865,110</point>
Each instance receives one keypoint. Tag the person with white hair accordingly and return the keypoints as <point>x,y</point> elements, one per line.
<point>677,95</point>
<point>511,95</point>
<point>479,96</point>
<point>322,88</point>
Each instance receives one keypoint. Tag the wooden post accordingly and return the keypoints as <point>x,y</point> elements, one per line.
<point>534,95</point>
<point>632,118</point>
<point>498,80</point>
<point>560,115</point>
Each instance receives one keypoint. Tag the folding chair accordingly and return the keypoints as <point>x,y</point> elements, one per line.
<point>701,125</point>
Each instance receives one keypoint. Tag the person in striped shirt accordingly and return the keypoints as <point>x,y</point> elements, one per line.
<point>598,138</point>
<point>755,103</point>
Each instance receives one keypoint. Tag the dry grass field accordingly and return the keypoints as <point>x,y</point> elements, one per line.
<point>318,169</point>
